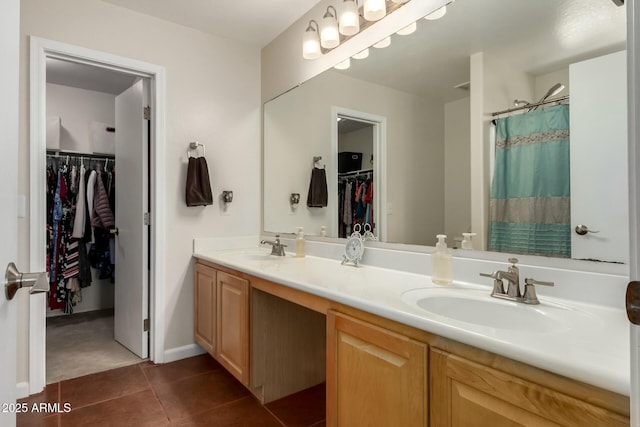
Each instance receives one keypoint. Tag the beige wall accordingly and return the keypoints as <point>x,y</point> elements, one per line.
<point>297,127</point>
<point>213,96</point>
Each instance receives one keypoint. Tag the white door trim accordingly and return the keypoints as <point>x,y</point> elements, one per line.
<point>380,167</point>
<point>633,99</point>
<point>40,49</point>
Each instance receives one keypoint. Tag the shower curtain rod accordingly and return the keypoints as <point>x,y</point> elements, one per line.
<point>535,104</point>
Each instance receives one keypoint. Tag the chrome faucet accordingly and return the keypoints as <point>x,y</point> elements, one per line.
<point>512,276</point>
<point>277,248</point>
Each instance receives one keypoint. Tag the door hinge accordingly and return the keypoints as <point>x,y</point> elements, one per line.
<point>147,113</point>
<point>145,325</point>
<point>147,218</point>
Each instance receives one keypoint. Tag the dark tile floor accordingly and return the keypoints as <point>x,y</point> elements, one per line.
<point>190,392</point>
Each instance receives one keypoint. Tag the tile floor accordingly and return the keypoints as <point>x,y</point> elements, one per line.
<point>190,392</point>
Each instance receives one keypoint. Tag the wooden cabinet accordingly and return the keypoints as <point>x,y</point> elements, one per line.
<point>205,307</point>
<point>221,322</point>
<point>233,325</point>
<point>465,393</point>
<point>375,377</point>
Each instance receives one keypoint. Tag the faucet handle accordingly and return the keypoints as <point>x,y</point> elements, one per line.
<point>529,296</point>
<point>513,261</point>
<point>537,282</point>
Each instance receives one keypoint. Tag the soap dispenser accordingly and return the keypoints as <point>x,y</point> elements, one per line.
<point>466,241</point>
<point>300,243</point>
<point>441,262</point>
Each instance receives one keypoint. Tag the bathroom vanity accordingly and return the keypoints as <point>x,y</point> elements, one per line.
<point>283,324</point>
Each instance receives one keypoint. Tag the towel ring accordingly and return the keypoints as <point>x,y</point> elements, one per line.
<point>194,146</point>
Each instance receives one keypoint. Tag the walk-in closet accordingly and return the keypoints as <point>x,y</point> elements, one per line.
<point>81,221</point>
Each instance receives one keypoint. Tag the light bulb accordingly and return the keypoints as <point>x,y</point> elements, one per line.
<point>349,19</point>
<point>374,9</point>
<point>329,35</point>
<point>385,42</point>
<point>361,55</point>
<point>343,65</point>
<point>409,29</point>
<point>310,44</point>
<point>436,14</point>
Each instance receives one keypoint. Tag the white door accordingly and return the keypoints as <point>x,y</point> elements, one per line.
<point>9,44</point>
<point>599,148</point>
<point>131,243</point>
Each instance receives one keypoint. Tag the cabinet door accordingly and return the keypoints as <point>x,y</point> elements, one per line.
<point>205,307</point>
<point>375,377</point>
<point>465,393</point>
<point>233,325</point>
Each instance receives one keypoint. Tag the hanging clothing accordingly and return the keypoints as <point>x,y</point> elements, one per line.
<point>530,191</point>
<point>102,214</point>
<point>318,196</point>
<point>69,190</point>
<point>80,217</point>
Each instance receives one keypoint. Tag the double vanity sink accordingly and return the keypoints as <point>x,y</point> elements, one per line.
<point>582,341</point>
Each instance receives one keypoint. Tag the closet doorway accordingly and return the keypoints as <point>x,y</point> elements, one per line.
<point>358,189</point>
<point>95,123</point>
<point>122,147</point>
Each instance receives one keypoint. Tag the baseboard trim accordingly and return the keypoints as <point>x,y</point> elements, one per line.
<point>178,353</point>
<point>22,390</point>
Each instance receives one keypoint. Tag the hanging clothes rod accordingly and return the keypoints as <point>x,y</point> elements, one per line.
<point>529,106</point>
<point>355,173</point>
<point>96,156</point>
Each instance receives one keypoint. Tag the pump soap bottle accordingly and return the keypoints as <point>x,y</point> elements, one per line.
<point>300,243</point>
<point>441,262</point>
<point>466,241</point>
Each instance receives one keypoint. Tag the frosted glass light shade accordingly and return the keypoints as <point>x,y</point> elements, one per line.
<point>436,14</point>
<point>349,19</point>
<point>343,65</point>
<point>409,29</point>
<point>361,55</point>
<point>329,36</point>
<point>385,42</point>
<point>374,9</point>
<point>311,45</point>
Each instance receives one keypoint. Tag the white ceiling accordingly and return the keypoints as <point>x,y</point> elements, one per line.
<point>255,22</point>
<point>87,77</point>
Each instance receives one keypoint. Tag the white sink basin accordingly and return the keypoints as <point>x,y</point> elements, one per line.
<point>477,307</point>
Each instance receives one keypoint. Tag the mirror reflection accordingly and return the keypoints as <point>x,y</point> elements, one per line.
<point>430,99</point>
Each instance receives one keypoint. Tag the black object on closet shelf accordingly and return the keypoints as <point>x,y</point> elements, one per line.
<point>198,189</point>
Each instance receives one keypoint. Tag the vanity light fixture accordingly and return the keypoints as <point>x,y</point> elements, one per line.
<point>374,10</point>
<point>409,29</point>
<point>436,14</point>
<point>343,65</point>
<point>329,35</point>
<point>362,54</point>
<point>311,42</point>
<point>335,27</point>
<point>385,42</point>
<point>349,18</point>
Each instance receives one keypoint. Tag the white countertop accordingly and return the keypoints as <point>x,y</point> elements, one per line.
<point>594,350</point>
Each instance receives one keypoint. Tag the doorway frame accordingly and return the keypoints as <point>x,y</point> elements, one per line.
<point>379,163</point>
<point>40,50</point>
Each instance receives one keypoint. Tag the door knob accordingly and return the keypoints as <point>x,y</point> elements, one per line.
<point>14,280</point>
<point>633,302</point>
<point>583,229</point>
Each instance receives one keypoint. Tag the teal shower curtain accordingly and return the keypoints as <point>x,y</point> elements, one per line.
<point>530,192</point>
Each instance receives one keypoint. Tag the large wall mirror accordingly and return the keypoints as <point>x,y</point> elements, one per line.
<point>415,102</point>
